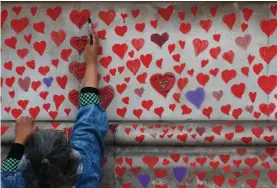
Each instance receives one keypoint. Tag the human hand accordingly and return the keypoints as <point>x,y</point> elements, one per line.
<point>91,51</point>
<point>24,128</point>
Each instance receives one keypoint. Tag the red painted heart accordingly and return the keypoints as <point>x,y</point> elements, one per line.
<point>163,83</point>
<point>79,18</point>
<point>58,37</point>
<point>79,43</point>
<point>78,70</point>
<point>73,97</point>
<point>107,16</point>
<point>106,96</point>
<point>19,25</point>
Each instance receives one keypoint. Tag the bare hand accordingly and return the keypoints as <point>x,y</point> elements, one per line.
<point>91,51</point>
<point>24,128</point>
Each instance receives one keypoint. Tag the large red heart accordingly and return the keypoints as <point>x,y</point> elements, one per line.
<point>58,37</point>
<point>79,43</point>
<point>22,53</point>
<point>166,12</point>
<point>73,97</point>
<point>40,47</point>
<point>268,26</point>
<point>150,161</point>
<point>39,27</point>
<point>79,18</point>
<point>58,100</point>
<point>138,43</point>
<point>267,83</point>
<point>163,83</point>
<point>206,24</point>
<point>78,70</point>
<point>34,111</point>
<point>185,28</point>
<point>228,75</point>
<point>65,53</point>
<point>19,25</point>
<point>199,45</point>
<point>107,16</point>
<point>105,61</point>
<point>120,49</point>
<point>268,53</point>
<point>229,56</point>
<point>54,13</point>
<point>11,42</point>
<point>229,20</point>
<point>267,109</point>
<point>106,96</point>
<point>215,52</point>
<point>247,13</point>
<point>16,112</point>
<point>120,30</point>
<point>238,89</point>
<point>133,65</point>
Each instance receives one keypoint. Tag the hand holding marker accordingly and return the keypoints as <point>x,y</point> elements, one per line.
<point>89,30</point>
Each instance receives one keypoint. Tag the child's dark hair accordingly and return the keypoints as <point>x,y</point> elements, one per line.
<point>48,156</point>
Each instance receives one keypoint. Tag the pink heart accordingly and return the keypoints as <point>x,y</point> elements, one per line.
<point>243,41</point>
<point>24,83</point>
<point>139,91</point>
<point>217,94</point>
<point>153,134</point>
<point>249,108</point>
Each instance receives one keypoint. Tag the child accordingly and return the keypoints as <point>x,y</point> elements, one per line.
<point>50,160</point>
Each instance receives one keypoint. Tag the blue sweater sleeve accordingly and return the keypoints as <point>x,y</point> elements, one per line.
<point>10,175</point>
<point>88,138</point>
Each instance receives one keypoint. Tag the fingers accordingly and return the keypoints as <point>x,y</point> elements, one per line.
<point>35,129</point>
<point>87,47</point>
<point>95,38</point>
<point>25,119</point>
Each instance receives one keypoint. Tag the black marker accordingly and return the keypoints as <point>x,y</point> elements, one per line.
<point>89,29</point>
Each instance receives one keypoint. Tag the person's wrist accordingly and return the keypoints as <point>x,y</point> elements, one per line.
<point>20,141</point>
<point>91,62</point>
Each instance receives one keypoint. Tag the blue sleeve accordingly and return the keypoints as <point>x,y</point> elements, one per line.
<point>10,174</point>
<point>88,138</point>
<point>12,180</point>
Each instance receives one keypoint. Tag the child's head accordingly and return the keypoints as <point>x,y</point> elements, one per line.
<point>48,155</point>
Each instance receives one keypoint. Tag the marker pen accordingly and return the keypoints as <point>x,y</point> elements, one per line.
<point>89,30</point>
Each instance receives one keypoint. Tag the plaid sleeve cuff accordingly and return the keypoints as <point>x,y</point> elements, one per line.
<point>88,98</point>
<point>10,165</point>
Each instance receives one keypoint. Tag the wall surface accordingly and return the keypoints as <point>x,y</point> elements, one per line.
<point>189,87</point>
<point>169,61</point>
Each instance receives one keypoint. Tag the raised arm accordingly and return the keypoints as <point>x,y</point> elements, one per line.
<point>91,123</point>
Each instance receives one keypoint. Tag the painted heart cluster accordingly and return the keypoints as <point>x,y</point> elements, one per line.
<point>188,169</point>
<point>178,84</point>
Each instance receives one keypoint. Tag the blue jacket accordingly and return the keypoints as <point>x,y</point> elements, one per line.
<point>87,140</point>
